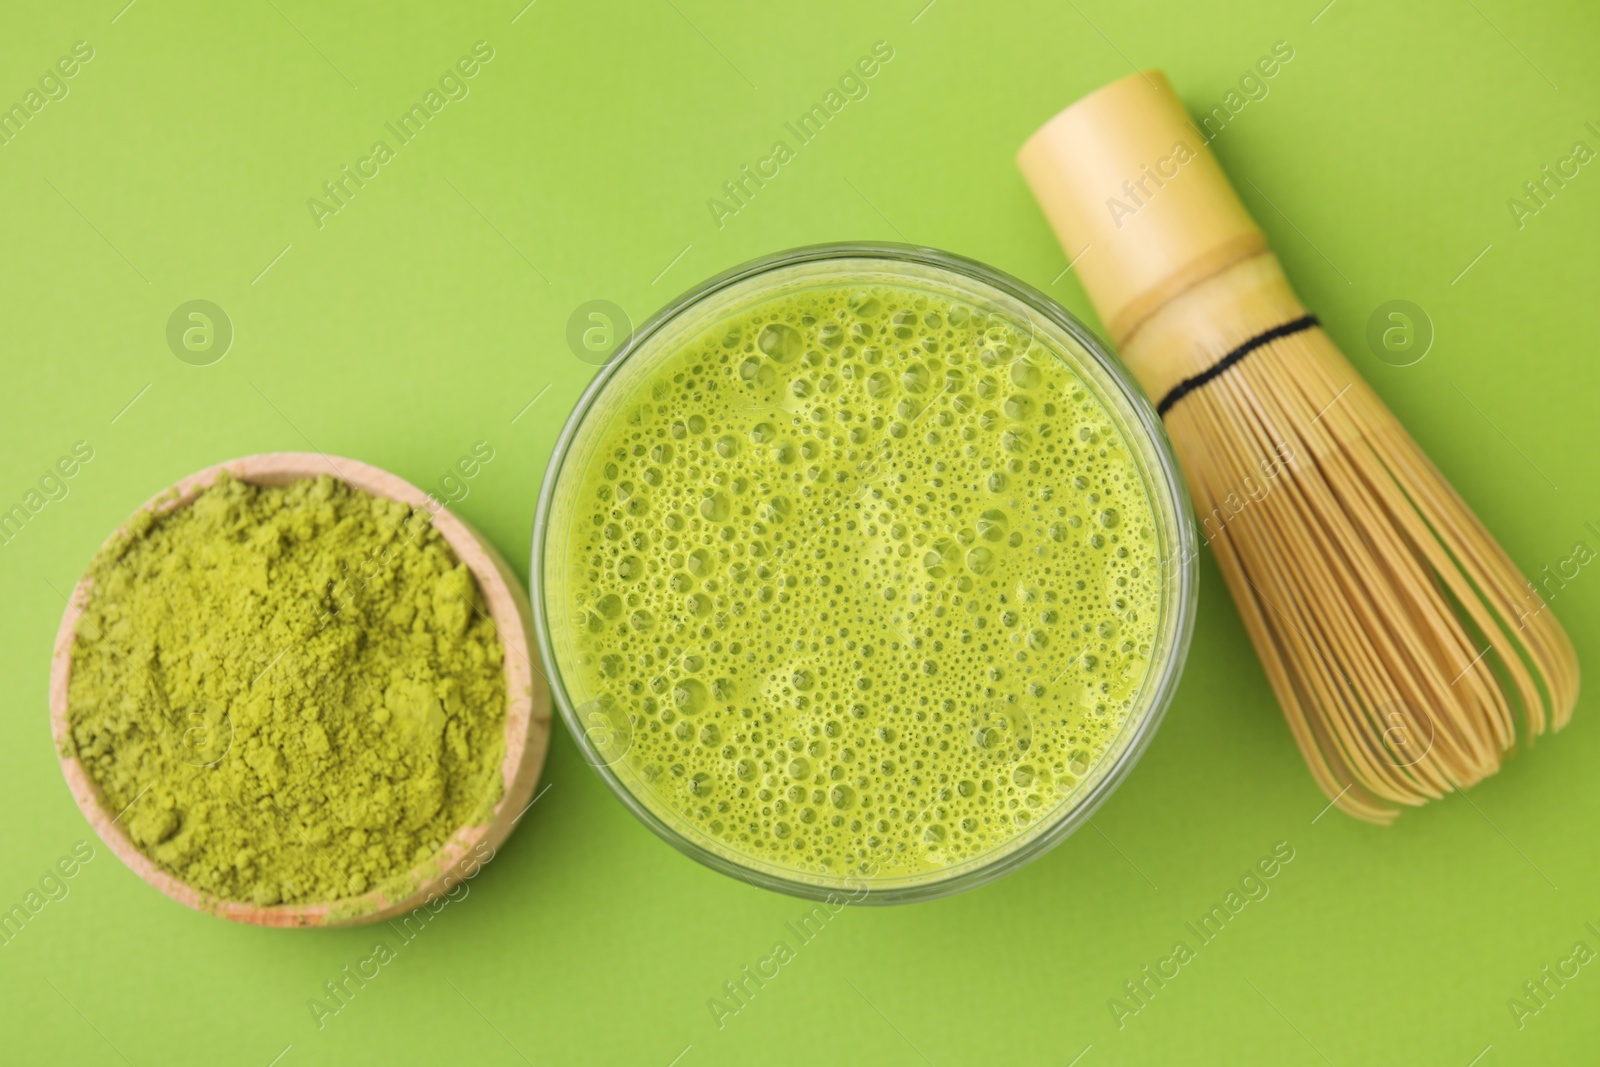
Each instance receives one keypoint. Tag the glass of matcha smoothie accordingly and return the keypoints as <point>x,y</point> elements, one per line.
<point>863,572</point>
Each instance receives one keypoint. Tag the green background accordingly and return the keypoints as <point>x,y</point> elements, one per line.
<point>430,311</point>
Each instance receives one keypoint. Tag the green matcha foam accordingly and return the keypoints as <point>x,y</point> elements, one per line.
<point>857,582</point>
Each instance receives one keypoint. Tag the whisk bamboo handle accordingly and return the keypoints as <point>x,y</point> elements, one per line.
<point>1135,195</point>
<point>1180,273</point>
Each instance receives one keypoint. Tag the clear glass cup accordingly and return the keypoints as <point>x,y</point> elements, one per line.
<point>603,735</point>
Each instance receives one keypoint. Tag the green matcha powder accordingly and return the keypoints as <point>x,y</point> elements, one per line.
<point>291,694</point>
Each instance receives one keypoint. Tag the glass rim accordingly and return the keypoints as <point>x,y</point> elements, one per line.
<point>1159,688</point>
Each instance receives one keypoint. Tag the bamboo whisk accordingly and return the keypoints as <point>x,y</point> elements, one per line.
<point>1400,639</point>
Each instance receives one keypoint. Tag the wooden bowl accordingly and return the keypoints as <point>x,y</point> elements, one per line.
<point>527,705</point>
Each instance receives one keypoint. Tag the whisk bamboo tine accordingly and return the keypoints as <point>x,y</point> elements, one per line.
<point>1341,639</point>
<point>1384,554</point>
<point>1397,635</point>
<point>1472,568</point>
<point>1329,681</point>
<point>1437,629</point>
<point>1336,585</point>
<point>1545,643</point>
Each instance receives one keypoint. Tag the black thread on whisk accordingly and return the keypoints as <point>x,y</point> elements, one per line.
<point>1266,337</point>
